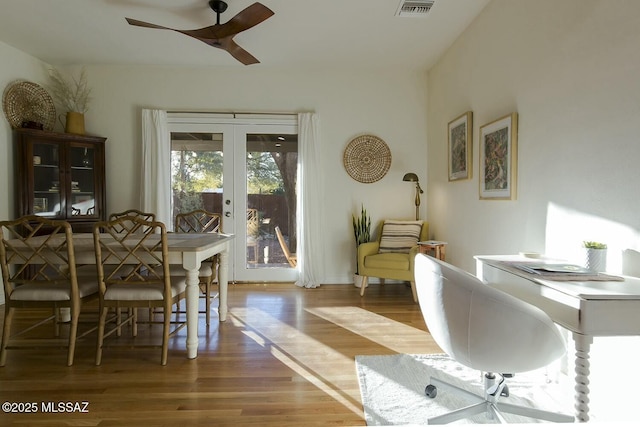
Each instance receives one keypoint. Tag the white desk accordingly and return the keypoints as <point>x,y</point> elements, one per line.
<point>188,250</point>
<point>587,309</point>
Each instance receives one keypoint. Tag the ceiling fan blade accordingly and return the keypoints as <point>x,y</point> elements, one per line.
<point>146,24</point>
<point>204,34</point>
<point>239,53</point>
<point>245,19</point>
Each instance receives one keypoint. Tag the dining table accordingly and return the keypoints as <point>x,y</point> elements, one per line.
<point>186,249</point>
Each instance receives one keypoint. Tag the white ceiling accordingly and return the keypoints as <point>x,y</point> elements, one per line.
<point>302,33</point>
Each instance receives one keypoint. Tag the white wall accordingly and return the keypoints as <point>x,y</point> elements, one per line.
<point>16,65</point>
<point>570,70</point>
<point>388,103</point>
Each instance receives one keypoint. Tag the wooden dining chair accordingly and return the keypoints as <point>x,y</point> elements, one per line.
<point>147,216</point>
<point>253,232</point>
<point>202,221</point>
<point>126,226</point>
<point>144,247</point>
<point>292,259</point>
<point>39,271</point>
<point>90,270</point>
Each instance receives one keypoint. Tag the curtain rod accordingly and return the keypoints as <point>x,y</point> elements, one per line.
<point>234,113</point>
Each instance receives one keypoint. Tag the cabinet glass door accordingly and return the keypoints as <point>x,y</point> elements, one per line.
<point>47,180</point>
<point>82,185</point>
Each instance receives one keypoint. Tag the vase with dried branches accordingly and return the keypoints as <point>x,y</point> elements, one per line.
<point>73,95</point>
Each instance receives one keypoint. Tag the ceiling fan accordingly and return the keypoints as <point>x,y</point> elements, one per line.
<point>221,35</point>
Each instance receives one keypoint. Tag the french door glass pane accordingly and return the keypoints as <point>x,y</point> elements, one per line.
<point>196,172</point>
<point>271,163</point>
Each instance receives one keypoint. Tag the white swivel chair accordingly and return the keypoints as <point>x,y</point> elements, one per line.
<point>484,329</point>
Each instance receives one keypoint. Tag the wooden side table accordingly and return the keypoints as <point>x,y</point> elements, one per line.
<point>435,246</point>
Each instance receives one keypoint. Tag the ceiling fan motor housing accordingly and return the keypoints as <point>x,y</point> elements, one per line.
<point>218,6</point>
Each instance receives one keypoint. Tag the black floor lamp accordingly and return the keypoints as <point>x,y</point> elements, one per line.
<point>412,177</point>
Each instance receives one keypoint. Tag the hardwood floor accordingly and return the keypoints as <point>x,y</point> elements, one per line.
<point>285,356</point>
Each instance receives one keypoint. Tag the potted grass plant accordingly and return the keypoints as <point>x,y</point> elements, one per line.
<point>362,234</point>
<point>595,255</point>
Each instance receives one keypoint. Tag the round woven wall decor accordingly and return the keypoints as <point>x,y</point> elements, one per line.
<point>25,101</point>
<point>367,158</point>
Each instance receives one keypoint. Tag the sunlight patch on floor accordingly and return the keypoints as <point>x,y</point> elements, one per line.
<point>387,332</point>
<point>323,365</point>
<point>332,390</point>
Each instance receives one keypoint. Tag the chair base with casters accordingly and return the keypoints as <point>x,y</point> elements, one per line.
<point>486,330</point>
<point>495,386</point>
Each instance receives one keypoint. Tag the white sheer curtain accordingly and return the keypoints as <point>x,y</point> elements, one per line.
<point>156,165</point>
<point>310,249</point>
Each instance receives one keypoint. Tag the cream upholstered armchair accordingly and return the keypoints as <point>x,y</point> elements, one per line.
<point>392,255</point>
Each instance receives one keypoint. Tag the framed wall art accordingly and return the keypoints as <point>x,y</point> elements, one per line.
<point>499,158</point>
<point>460,147</point>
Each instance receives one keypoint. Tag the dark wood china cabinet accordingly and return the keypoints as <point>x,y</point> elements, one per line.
<point>61,176</point>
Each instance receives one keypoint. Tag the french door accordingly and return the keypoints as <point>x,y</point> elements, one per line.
<point>244,168</point>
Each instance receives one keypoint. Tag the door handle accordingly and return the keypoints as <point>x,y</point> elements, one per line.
<point>227,214</point>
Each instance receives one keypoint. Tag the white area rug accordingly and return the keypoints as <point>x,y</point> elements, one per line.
<point>392,389</point>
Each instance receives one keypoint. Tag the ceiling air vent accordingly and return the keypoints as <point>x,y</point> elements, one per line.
<point>414,8</point>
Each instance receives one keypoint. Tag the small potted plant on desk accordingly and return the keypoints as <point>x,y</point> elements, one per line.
<point>595,256</point>
<point>362,234</point>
